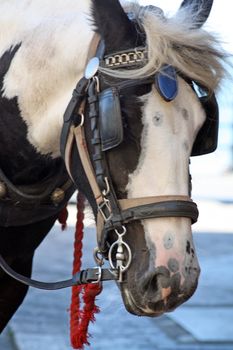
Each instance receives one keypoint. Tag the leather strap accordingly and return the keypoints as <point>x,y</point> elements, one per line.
<point>73,106</point>
<point>86,162</point>
<point>143,209</point>
<point>174,208</point>
<point>92,275</point>
<point>133,202</point>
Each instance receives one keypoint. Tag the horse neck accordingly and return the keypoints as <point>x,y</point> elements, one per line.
<point>54,50</point>
<point>19,160</point>
<point>38,78</point>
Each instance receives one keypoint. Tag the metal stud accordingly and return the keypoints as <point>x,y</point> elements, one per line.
<point>57,196</point>
<point>92,67</point>
<point>3,189</point>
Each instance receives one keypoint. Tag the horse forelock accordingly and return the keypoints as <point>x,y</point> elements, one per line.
<point>195,53</point>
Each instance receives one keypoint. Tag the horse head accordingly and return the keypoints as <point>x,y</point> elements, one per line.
<point>144,105</point>
<point>155,137</point>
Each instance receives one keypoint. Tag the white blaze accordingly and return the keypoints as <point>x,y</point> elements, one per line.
<point>169,129</point>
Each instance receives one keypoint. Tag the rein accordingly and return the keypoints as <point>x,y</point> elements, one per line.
<point>92,275</point>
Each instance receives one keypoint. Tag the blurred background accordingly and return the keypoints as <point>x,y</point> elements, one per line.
<point>204,322</point>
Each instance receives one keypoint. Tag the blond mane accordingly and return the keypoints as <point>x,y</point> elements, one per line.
<point>194,52</point>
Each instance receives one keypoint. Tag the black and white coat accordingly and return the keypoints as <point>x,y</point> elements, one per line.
<point>43,50</point>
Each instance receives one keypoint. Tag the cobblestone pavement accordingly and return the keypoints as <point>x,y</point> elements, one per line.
<point>204,323</point>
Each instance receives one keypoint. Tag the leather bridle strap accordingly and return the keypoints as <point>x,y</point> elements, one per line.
<point>91,275</point>
<point>80,139</point>
<point>146,208</point>
<point>159,206</point>
<point>155,207</point>
<point>173,208</point>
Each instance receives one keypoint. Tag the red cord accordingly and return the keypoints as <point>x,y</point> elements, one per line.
<point>80,319</point>
<point>62,218</point>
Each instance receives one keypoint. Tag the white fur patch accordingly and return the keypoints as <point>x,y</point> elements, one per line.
<point>163,164</point>
<point>55,36</point>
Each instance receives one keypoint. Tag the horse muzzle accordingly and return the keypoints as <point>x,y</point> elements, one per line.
<point>158,291</point>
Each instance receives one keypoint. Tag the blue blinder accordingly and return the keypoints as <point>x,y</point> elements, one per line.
<point>166,83</point>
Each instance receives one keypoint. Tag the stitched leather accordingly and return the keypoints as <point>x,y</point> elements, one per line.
<point>174,208</point>
<point>111,128</point>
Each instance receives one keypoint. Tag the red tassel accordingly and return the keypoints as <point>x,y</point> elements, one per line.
<point>62,218</point>
<point>80,319</point>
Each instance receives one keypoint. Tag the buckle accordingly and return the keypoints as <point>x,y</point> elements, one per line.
<point>78,120</point>
<point>98,274</point>
<point>105,209</point>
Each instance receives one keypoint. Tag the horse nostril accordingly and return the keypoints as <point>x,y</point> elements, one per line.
<point>159,278</point>
<point>150,286</point>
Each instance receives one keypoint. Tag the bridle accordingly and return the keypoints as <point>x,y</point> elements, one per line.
<point>113,214</point>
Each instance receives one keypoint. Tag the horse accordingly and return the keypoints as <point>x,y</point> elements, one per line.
<point>144,104</point>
